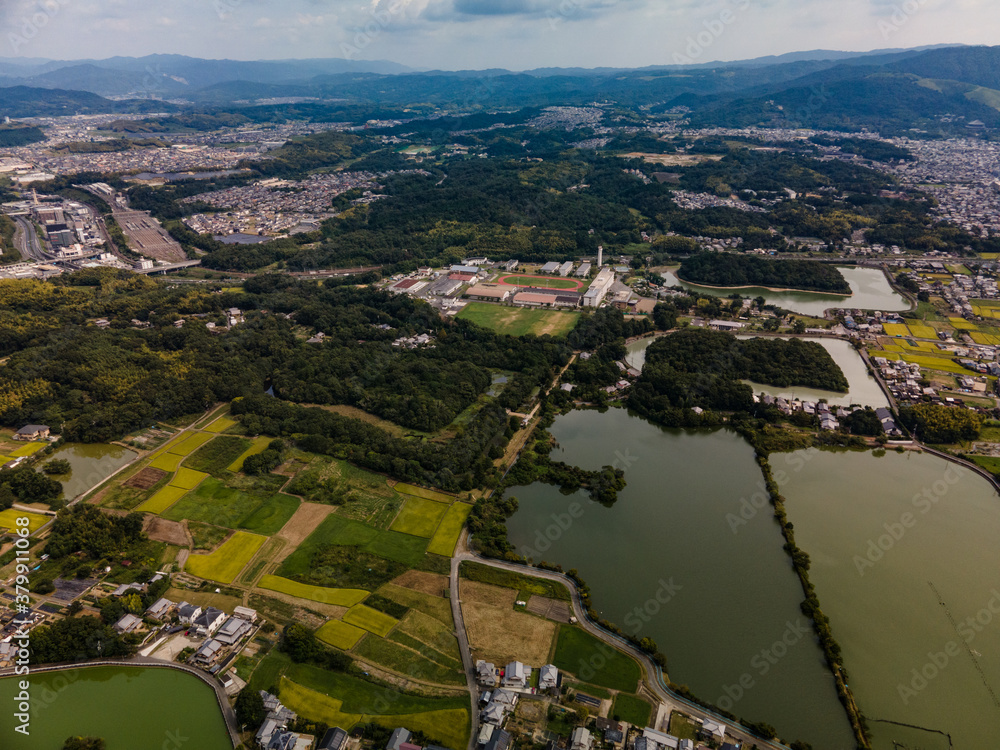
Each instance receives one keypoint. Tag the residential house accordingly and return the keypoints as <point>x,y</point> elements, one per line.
<point>209,621</point>
<point>32,432</point>
<point>245,613</point>
<point>127,624</point>
<point>232,631</point>
<point>548,677</point>
<point>290,741</point>
<point>581,739</point>
<point>334,739</point>
<point>160,609</point>
<point>486,674</point>
<point>187,613</point>
<point>712,731</point>
<point>515,675</point>
<point>398,738</point>
<point>126,587</point>
<point>208,654</point>
<point>499,741</point>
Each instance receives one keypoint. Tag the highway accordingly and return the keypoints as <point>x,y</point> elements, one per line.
<point>27,242</point>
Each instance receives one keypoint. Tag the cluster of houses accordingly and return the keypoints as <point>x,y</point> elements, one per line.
<point>501,690</point>
<point>829,417</point>
<point>274,733</point>
<point>400,740</point>
<point>710,731</point>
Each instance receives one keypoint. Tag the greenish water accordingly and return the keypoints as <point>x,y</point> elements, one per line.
<point>870,290</point>
<point>862,387</point>
<point>132,708</point>
<point>884,534</point>
<point>92,463</point>
<point>667,561</point>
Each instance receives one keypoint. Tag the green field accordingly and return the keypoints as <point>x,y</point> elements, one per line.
<point>28,449</point>
<point>419,517</point>
<point>227,561</point>
<point>446,537</point>
<point>577,651</point>
<point>314,705</point>
<point>517,321</point>
<point>162,500</point>
<point>217,455</point>
<point>259,445</point>
<point>432,632</point>
<point>931,363</point>
<point>371,620</point>
<point>510,580</point>
<point>272,515</point>
<point>216,503</point>
<point>632,709</point>
<point>400,659</point>
<point>321,594</point>
<point>8,520</point>
<point>541,282</point>
<point>340,635</point>
<point>434,606</point>
<point>412,489</point>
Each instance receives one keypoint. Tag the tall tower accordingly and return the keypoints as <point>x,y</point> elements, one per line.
<point>600,255</point>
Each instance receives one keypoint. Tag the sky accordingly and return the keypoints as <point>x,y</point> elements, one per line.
<point>478,34</point>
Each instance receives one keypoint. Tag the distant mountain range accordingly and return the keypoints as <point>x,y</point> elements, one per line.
<point>936,88</point>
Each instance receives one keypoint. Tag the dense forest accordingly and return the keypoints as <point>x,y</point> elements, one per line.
<point>731,270</point>
<point>12,137</point>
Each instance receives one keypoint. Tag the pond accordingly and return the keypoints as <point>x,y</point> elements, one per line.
<point>130,707</point>
<point>721,602</point>
<point>91,464</point>
<point>904,562</point>
<point>870,290</point>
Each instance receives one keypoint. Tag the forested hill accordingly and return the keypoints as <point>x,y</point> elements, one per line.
<point>726,269</point>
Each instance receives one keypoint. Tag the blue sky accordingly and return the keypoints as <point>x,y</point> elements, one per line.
<point>461,34</point>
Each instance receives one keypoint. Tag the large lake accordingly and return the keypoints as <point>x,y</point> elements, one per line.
<point>132,708</point>
<point>735,615</point>
<point>862,387</point>
<point>904,560</point>
<point>870,290</point>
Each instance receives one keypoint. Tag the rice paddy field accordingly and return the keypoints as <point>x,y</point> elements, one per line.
<point>419,517</point>
<point>371,620</point>
<point>340,634</point>
<point>448,532</point>
<point>8,520</point>
<point>321,594</point>
<point>227,561</point>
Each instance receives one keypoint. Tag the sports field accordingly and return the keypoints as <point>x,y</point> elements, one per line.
<point>542,282</point>
<point>8,520</point>
<point>450,529</point>
<point>371,620</point>
<point>419,517</point>
<point>341,635</point>
<point>517,321</point>
<point>321,594</point>
<point>227,561</point>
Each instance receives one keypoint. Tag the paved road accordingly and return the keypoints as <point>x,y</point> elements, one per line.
<point>463,644</point>
<point>654,675</point>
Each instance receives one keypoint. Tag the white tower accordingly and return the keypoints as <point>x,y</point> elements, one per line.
<point>600,255</point>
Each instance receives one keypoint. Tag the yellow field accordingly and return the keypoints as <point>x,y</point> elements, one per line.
<point>28,449</point>
<point>340,634</point>
<point>371,620</point>
<point>221,425</point>
<point>321,594</point>
<point>412,489</point>
<point>227,561</point>
<point>8,520</point>
<point>162,500</point>
<point>896,329</point>
<point>166,462</point>
<point>962,324</point>
<point>187,478</point>
<point>922,331</point>
<point>259,446</point>
<point>916,346</point>
<point>167,447</point>
<point>190,444</point>
<point>988,339</point>
<point>446,537</point>
<point>449,726</point>
<point>931,363</point>
<point>315,706</point>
